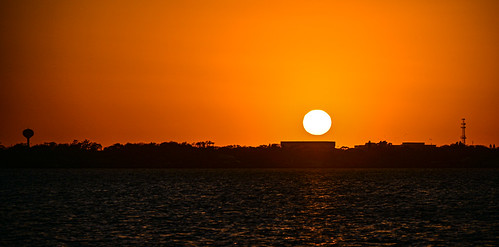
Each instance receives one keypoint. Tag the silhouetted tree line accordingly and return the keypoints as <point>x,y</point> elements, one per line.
<point>87,154</point>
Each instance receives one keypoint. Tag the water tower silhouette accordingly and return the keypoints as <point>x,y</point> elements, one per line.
<point>28,133</point>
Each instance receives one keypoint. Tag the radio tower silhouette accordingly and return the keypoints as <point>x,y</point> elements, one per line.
<point>463,127</point>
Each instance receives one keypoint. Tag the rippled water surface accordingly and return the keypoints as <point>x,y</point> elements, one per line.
<point>249,207</point>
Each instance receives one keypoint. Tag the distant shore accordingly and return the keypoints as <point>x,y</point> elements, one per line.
<point>86,154</point>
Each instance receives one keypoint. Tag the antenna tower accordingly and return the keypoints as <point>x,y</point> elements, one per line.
<point>463,127</point>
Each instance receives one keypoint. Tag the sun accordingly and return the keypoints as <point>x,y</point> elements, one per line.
<point>317,122</point>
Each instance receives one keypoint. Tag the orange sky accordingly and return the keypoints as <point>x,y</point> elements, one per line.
<point>246,72</point>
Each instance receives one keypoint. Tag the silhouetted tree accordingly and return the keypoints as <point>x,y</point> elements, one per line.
<point>210,144</point>
<point>86,145</point>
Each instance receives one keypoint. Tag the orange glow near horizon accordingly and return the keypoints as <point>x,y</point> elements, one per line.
<point>246,72</point>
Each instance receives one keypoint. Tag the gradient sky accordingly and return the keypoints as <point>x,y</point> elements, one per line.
<point>246,72</point>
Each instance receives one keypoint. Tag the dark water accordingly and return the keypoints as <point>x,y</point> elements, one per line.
<point>249,207</point>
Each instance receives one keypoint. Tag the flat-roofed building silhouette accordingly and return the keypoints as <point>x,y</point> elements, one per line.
<point>308,145</point>
<point>416,145</point>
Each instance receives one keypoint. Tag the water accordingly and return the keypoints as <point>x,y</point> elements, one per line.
<point>249,207</point>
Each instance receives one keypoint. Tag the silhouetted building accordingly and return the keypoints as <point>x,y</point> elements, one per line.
<point>416,145</point>
<point>413,144</point>
<point>308,145</point>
